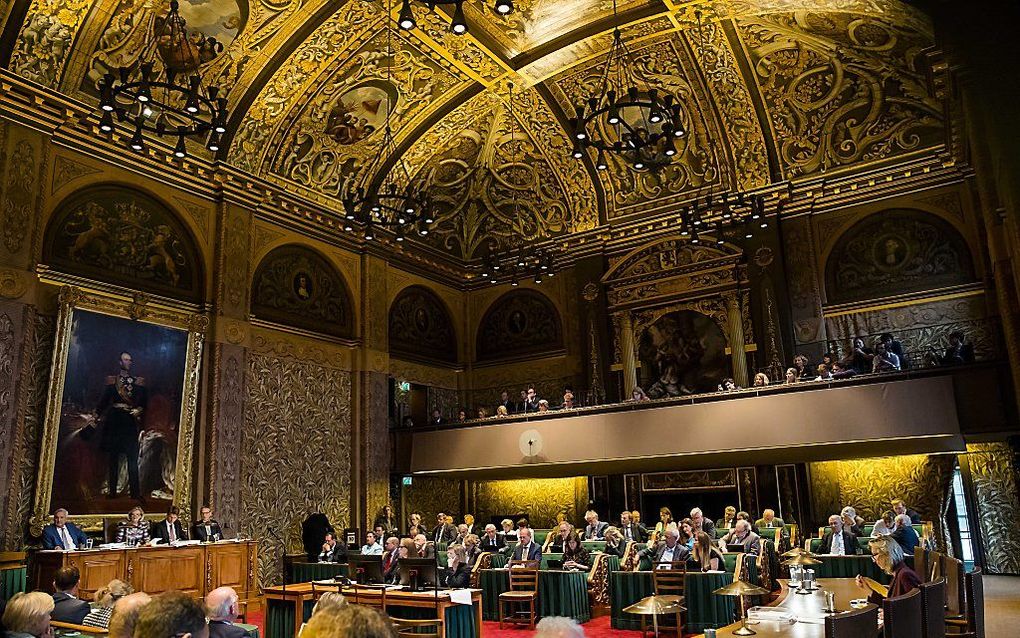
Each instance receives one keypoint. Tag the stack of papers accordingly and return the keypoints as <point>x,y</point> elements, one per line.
<point>770,613</point>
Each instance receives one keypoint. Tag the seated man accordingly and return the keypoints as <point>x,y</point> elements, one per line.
<point>728,519</point>
<point>595,530</point>
<point>61,534</point>
<point>837,541</point>
<point>222,610</point>
<point>669,550</point>
<point>769,520</point>
<point>851,521</point>
<point>206,530</point>
<point>66,605</point>
<point>630,530</point>
<point>702,524</point>
<point>462,533</point>
<point>443,532</point>
<point>423,547</point>
<point>557,540</point>
<point>333,551</point>
<point>742,535</point>
<point>744,516</point>
<point>526,549</point>
<point>169,529</point>
<point>390,557</point>
<point>125,614</point>
<point>899,507</point>
<point>904,534</point>
<point>491,541</point>
<point>172,614</point>
<point>371,546</point>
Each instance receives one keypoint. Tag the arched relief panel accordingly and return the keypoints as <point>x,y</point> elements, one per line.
<point>520,323</point>
<point>297,286</point>
<point>127,237</point>
<point>896,252</point>
<point>421,327</point>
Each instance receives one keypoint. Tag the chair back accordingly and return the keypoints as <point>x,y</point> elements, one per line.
<point>976,602</point>
<point>956,597</point>
<point>523,578</point>
<point>921,563</point>
<point>933,609</point>
<point>857,623</point>
<point>422,628</point>
<point>934,565</point>
<point>369,597</point>
<point>902,615</point>
<point>669,582</point>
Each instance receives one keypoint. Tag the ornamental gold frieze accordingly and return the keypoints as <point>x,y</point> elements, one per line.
<point>301,348</point>
<point>699,283</point>
<point>666,256</point>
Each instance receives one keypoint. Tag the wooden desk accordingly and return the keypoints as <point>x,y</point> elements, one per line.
<point>300,593</point>
<point>193,569</point>
<point>805,605</point>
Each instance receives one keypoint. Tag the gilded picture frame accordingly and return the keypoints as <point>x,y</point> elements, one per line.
<point>141,308</point>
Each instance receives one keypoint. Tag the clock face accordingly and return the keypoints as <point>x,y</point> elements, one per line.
<point>530,443</point>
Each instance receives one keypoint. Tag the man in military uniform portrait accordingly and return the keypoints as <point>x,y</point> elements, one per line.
<point>121,410</point>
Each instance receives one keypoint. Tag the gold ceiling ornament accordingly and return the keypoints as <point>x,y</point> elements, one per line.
<point>843,89</point>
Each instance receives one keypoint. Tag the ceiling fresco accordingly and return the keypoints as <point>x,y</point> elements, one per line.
<point>772,90</point>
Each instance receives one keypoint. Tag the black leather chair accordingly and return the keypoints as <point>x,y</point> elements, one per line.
<point>902,615</point>
<point>858,623</point>
<point>933,609</point>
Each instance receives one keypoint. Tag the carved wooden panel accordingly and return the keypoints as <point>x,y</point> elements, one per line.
<point>97,570</point>
<point>180,568</point>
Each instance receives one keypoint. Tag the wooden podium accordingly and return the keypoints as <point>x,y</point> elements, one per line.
<point>193,569</point>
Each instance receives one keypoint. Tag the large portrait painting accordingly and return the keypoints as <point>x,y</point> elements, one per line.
<point>682,352</point>
<point>121,409</point>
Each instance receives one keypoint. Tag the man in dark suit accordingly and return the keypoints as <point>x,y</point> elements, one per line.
<point>899,507</point>
<point>222,611</point>
<point>66,606</point>
<point>530,400</point>
<point>526,549</point>
<point>504,400</point>
<point>556,540</point>
<point>595,530</point>
<point>743,536</point>
<point>333,551</point>
<point>838,541</point>
<point>630,530</point>
<point>728,519</point>
<point>905,535</point>
<point>424,547</point>
<point>443,532</point>
<point>206,530</point>
<point>62,535</point>
<point>169,529</point>
<point>491,541</point>
<point>669,550</point>
<point>437,418</point>
<point>769,520</point>
<point>702,524</point>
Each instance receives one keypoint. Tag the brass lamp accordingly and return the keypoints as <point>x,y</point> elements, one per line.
<point>740,589</point>
<point>654,606</point>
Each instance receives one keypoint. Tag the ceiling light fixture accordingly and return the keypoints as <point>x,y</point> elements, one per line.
<point>458,22</point>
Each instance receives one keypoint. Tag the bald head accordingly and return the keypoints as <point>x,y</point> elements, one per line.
<point>125,614</point>
<point>222,604</point>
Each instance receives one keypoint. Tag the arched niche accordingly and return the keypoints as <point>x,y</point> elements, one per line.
<point>682,352</point>
<point>896,252</point>
<point>125,237</point>
<point>520,323</point>
<point>296,286</point>
<point>420,327</point>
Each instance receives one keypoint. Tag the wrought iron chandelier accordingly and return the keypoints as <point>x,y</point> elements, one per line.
<point>733,216</point>
<point>524,259</point>
<point>174,103</point>
<point>458,23</point>
<point>398,208</point>
<point>638,123</point>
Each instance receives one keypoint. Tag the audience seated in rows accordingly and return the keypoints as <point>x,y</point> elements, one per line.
<point>67,607</point>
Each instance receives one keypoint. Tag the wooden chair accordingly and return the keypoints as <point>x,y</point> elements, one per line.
<point>318,590</point>
<point>956,597</point>
<point>902,615</point>
<point>933,609</point>
<point>668,580</point>
<point>369,597</point>
<point>857,623</point>
<point>972,625</point>
<point>423,628</point>
<point>921,563</point>
<point>522,598</point>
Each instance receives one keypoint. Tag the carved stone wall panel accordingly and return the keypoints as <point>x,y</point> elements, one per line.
<point>521,322</point>
<point>234,260</point>
<point>802,281</point>
<point>997,497</point>
<point>23,164</point>
<point>12,342</point>
<point>420,326</point>
<point>39,331</point>
<point>297,430</point>
<point>44,43</point>
<point>226,434</point>
<point>376,308</point>
<point>66,170</point>
<point>539,499</point>
<point>869,485</point>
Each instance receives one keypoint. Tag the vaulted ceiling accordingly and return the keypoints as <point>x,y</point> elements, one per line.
<point>772,90</point>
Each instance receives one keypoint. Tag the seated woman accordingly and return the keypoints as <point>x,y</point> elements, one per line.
<point>135,529</point>
<point>105,597</point>
<point>471,549</point>
<point>686,528</point>
<point>575,556</point>
<point>885,525</point>
<point>706,555</point>
<point>615,545</point>
<point>457,575</point>
<point>501,411</point>
<point>761,380</point>
<point>509,533</point>
<point>791,376</point>
<point>888,555</point>
<point>665,518</point>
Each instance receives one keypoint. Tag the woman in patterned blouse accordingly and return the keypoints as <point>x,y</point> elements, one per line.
<point>135,530</point>
<point>105,598</point>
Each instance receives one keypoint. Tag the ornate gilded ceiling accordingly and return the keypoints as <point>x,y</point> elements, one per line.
<point>772,90</point>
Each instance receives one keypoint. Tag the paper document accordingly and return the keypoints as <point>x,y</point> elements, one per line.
<point>460,596</point>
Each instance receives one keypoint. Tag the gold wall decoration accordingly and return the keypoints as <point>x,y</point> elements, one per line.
<point>843,89</point>
<point>664,63</point>
<point>869,485</point>
<point>44,43</point>
<point>17,217</point>
<point>296,451</point>
<point>997,498</point>
<point>66,170</point>
<point>540,499</point>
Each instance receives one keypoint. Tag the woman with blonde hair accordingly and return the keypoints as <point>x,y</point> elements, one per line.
<point>105,598</point>
<point>28,615</point>
<point>888,555</point>
<point>615,545</point>
<point>501,411</point>
<point>458,574</point>
<point>134,530</point>
<point>329,600</point>
<point>761,380</point>
<point>707,555</point>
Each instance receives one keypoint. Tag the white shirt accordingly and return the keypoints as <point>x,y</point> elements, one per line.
<point>371,550</point>
<point>837,545</point>
<point>667,557</point>
<point>65,538</point>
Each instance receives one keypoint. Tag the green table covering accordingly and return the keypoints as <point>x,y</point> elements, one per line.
<point>280,617</point>
<point>12,581</point>
<point>306,572</point>
<point>559,593</point>
<point>501,560</point>
<point>251,630</point>
<point>594,546</point>
<point>704,609</point>
<point>848,567</point>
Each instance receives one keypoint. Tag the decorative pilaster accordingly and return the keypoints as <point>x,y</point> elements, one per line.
<point>629,359</point>
<point>735,330</point>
